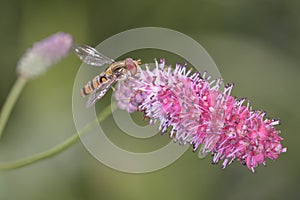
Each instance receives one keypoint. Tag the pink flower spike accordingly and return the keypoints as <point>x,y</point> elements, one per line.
<point>201,114</point>
<point>44,54</point>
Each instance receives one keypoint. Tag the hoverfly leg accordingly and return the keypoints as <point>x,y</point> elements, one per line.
<point>113,88</point>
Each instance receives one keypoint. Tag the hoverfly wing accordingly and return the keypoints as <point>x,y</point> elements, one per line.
<point>100,91</point>
<point>91,56</point>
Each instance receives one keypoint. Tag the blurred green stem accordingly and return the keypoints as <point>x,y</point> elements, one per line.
<point>10,101</point>
<point>60,147</point>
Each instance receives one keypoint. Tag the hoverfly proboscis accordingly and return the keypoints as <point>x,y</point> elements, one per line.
<point>100,84</point>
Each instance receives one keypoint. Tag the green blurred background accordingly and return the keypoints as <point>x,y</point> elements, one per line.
<point>254,43</point>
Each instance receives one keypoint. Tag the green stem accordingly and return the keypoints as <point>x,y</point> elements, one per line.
<point>60,147</point>
<point>10,101</point>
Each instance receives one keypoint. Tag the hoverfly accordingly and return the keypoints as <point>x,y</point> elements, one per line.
<point>100,84</point>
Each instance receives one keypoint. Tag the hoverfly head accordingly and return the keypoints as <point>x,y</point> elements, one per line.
<point>132,65</point>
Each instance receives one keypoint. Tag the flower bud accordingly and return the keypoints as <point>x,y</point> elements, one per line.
<point>44,54</point>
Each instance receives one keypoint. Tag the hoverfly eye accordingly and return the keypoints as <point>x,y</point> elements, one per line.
<point>130,65</point>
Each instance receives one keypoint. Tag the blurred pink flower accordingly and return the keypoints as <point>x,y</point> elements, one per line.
<point>200,113</point>
<point>43,54</point>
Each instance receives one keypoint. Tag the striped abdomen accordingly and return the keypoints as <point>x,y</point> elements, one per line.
<point>93,84</point>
